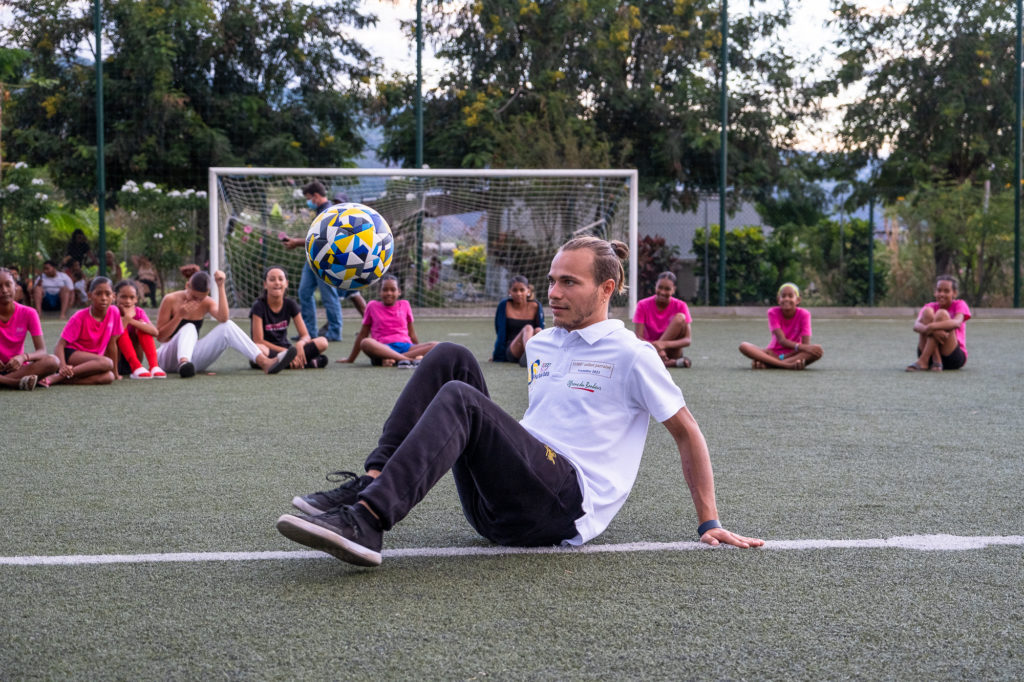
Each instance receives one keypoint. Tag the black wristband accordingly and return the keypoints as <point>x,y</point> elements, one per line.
<point>706,526</point>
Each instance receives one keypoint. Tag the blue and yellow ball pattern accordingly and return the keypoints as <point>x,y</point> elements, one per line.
<point>350,246</point>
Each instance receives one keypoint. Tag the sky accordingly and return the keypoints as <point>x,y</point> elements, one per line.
<point>809,36</point>
<point>399,52</point>
<point>386,40</point>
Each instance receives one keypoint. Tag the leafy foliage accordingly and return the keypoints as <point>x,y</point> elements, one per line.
<point>654,257</point>
<point>161,224</point>
<point>956,214</point>
<point>603,82</point>
<point>751,278</point>
<point>187,85</point>
<point>837,260</point>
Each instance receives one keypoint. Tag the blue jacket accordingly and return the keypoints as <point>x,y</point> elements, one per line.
<point>500,328</point>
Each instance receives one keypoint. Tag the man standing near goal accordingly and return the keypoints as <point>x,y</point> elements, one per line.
<point>537,481</point>
<point>316,199</point>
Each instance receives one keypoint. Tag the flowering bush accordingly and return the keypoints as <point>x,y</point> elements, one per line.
<point>24,203</point>
<point>161,224</point>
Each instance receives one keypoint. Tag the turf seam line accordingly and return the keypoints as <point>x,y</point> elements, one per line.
<point>928,543</point>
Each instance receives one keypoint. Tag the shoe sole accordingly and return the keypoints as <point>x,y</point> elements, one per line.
<point>187,370</point>
<point>305,507</point>
<point>319,538</point>
<point>283,360</point>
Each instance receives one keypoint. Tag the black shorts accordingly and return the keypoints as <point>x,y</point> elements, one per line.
<point>954,360</point>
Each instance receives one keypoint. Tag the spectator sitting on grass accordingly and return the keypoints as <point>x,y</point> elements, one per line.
<point>19,369</point>
<point>270,316</point>
<point>941,328</point>
<point>387,336</point>
<point>87,348</point>
<point>180,318</point>
<point>790,325</point>
<point>53,290</point>
<point>664,321</point>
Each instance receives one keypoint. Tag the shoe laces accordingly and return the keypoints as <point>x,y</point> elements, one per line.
<point>346,478</point>
<point>345,517</point>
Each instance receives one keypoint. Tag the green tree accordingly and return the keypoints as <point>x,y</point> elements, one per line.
<point>937,105</point>
<point>189,84</point>
<point>957,213</point>
<point>750,275</point>
<point>604,82</point>
<point>836,258</point>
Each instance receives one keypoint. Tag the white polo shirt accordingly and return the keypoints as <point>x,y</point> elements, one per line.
<point>592,394</point>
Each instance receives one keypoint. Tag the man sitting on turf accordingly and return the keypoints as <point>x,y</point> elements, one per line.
<point>557,477</point>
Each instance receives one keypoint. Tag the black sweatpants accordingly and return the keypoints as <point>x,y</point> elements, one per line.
<point>514,489</point>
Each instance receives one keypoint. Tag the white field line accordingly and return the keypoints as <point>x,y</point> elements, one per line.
<point>927,543</point>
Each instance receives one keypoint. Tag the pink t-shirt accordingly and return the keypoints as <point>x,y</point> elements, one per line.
<point>389,323</point>
<point>24,322</point>
<point>656,321</point>
<point>794,328</point>
<point>140,316</point>
<point>955,308</point>
<point>84,332</point>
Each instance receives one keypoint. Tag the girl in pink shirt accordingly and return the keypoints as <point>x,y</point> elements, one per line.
<point>664,321</point>
<point>87,349</point>
<point>790,326</point>
<point>387,336</point>
<point>18,369</point>
<point>139,335</point>
<point>937,348</point>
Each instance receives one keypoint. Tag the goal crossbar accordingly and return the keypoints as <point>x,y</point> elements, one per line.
<point>629,176</point>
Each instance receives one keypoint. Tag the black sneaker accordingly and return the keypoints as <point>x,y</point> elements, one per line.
<point>186,370</point>
<point>328,500</point>
<point>282,360</point>
<point>319,362</point>
<point>351,534</point>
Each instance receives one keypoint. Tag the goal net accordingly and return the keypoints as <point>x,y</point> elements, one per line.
<point>460,235</point>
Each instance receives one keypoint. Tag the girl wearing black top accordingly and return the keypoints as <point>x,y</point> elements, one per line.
<point>271,314</point>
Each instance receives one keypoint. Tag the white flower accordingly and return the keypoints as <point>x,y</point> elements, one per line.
<point>158,235</point>
<point>41,196</point>
<point>148,185</point>
<point>12,187</point>
<point>200,195</point>
<point>174,193</point>
<point>189,192</point>
<point>45,221</point>
<point>21,164</point>
<point>297,194</point>
<point>38,181</point>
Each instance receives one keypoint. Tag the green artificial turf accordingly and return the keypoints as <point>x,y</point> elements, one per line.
<point>851,448</point>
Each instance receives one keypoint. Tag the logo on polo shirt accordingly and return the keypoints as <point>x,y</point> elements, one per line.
<point>537,370</point>
<point>592,368</point>
<point>588,386</point>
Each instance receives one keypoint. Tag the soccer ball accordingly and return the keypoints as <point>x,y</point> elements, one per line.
<point>349,246</point>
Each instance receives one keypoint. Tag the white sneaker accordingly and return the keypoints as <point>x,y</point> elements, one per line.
<point>141,373</point>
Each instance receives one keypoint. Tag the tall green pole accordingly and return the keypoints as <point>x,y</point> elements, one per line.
<point>419,83</point>
<point>419,148</point>
<point>871,252</point>
<point>101,173</point>
<point>1019,97</point>
<point>724,153</point>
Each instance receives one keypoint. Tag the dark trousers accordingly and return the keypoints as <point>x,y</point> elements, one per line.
<point>514,489</point>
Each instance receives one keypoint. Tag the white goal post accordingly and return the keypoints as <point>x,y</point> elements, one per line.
<point>460,234</point>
